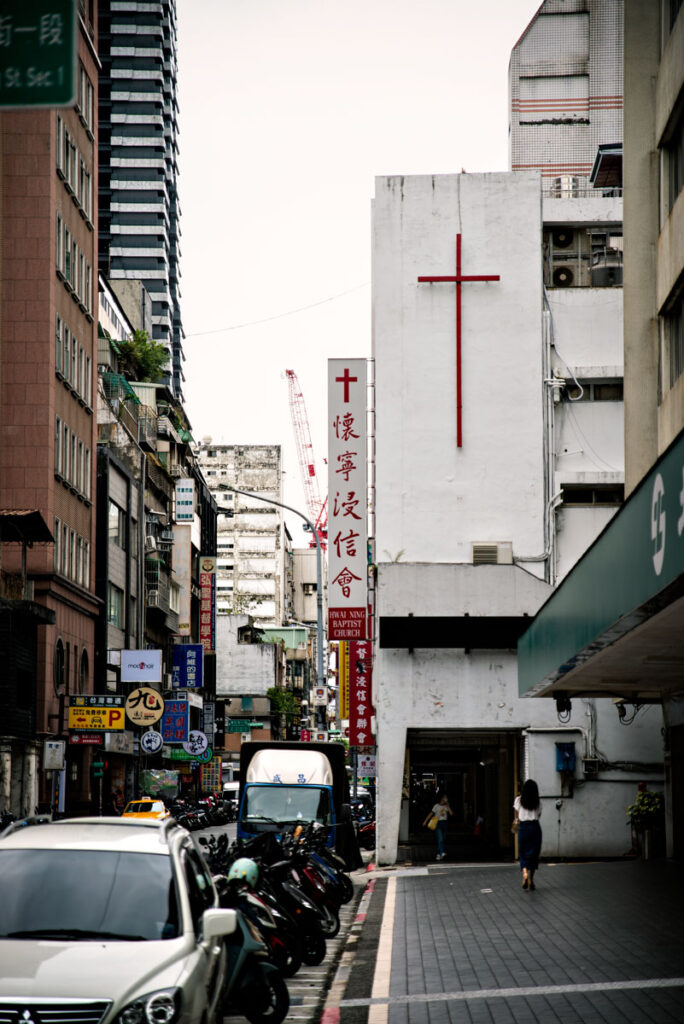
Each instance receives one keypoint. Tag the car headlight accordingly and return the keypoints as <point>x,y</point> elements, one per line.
<point>160,1007</point>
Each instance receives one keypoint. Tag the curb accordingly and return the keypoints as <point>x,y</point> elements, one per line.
<point>331,1007</point>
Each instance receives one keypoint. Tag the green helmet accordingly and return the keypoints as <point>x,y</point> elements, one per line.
<point>244,868</point>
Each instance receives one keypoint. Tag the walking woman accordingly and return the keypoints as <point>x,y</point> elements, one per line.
<point>441,810</point>
<point>528,810</point>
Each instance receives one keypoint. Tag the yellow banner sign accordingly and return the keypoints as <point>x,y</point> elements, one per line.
<point>90,719</point>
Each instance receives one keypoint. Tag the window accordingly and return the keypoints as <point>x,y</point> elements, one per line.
<point>86,563</point>
<point>88,384</point>
<point>73,376</point>
<point>65,451</point>
<point>59,244</point>
<point>79,480</point>
<point>86,473</point>
<point>80,371</point>
<point>675,154</point>
<point>59,146</point>
<point>58,345</point>
<point>58,546</point>
<point>65,550</point>
<point>117,524</point>
<point>595,391</point>
<point>66,155</point>
<point>83,673</point>
<point>81,276</point>
<point>79,560</point>
<point>598,494</point>
<point>66,356</point>
<point>115,606</point>
<point>88,288</point>
<point>74,460</point>
<point>58,445</point>
<point>72,554</point>
<point>673,331</point>
<point>67,254</point>
<point>59,666</point>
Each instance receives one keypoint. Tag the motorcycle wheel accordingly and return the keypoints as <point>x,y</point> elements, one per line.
<point>313,950</point>
<point>277,1002</point>
<point>347,887</point>
<point>330,921</point>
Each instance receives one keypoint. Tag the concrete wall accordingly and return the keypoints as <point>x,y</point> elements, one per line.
<point>433,498</point>
<point>242,668</point>
<point>424,484</point>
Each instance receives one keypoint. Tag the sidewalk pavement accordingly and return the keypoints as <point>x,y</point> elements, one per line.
<point>595,943</point>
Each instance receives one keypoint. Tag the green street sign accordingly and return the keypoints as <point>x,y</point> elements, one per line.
<point>38,47</point>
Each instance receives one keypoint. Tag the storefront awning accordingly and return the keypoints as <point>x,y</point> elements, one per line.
<point>614,626</point>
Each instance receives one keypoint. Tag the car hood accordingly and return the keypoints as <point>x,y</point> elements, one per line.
<point>89,970</point>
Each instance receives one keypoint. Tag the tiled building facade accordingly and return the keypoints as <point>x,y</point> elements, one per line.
<point>48,366</point>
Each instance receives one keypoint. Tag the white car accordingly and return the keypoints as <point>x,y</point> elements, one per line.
<point>107,920</point>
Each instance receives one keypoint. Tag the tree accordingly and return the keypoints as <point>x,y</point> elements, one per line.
<point>142,359</point>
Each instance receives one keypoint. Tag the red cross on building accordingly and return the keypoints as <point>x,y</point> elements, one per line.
<point>458,280</point>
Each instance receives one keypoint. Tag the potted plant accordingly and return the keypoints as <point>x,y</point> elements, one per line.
<point>647,815</point>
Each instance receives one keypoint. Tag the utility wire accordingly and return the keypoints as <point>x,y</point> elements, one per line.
<point>279,316</point>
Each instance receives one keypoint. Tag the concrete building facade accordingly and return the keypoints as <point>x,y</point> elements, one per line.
<point>252,541</point>
<point>625,638</point>
<point>138,151</point>
<point>48,366</point>
<point>471,530</point>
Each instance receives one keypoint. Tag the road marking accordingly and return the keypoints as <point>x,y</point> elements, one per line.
<point>381,1001</point>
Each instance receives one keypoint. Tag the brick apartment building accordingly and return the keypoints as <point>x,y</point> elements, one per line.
<point>48,377</point>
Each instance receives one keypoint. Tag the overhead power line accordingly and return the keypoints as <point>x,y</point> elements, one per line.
<point>279,316</point>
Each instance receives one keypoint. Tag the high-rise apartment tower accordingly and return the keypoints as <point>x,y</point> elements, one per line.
<point>139,235</point>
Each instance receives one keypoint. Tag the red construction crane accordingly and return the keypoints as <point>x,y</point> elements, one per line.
<point>317,506</point>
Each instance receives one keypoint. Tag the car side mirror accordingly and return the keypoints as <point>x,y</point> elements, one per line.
<point>217,923</point>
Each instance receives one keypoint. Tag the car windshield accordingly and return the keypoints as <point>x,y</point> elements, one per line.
<point>287,804</point>
<point>144,807</point>
<point>87,895</point>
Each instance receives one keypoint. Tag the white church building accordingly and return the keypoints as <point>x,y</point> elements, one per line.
<point>498,459</point>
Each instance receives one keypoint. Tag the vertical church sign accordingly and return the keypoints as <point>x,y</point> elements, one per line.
<point>347,505</point>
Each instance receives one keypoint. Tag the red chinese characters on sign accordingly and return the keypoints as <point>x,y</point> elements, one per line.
<point>347,525</point>
<point>360,693</point>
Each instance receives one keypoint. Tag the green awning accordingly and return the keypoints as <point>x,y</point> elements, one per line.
<point>614,621</point>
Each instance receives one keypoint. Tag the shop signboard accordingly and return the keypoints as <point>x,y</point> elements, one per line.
<point>175,722</point>
<point>347,502</point>
<point>141,666</point>
<point>187,666</point>
<point>144,706</point>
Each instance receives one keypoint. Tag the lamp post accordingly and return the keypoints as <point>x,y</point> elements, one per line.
<point>321,682</point>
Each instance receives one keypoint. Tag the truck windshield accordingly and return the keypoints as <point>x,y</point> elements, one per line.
<point>287,804</point>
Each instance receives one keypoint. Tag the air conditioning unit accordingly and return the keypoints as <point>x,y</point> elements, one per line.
<point>150,543</point>
<point>153,598</point>
<point>245,737</point>
<point>562,238</point>
<point>495,553</point>
<point>563,277</point>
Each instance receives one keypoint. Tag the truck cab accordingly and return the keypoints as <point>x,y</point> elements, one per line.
<point>287,784</point>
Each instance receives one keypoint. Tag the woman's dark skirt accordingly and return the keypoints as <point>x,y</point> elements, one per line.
<point>529,844</point>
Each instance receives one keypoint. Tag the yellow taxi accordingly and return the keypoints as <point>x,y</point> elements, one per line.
<point>145,808</point>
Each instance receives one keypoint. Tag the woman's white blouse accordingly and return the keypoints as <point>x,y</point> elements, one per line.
<point>524,814</point>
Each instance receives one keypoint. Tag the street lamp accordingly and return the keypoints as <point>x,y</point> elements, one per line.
<point>321,682</point>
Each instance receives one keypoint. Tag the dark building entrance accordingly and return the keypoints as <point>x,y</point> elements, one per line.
<point>479,771</point>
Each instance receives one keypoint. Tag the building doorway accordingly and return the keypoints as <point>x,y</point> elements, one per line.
<point>478,771</point>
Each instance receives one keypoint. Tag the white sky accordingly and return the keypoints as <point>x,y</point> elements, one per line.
<point>288,111</point>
